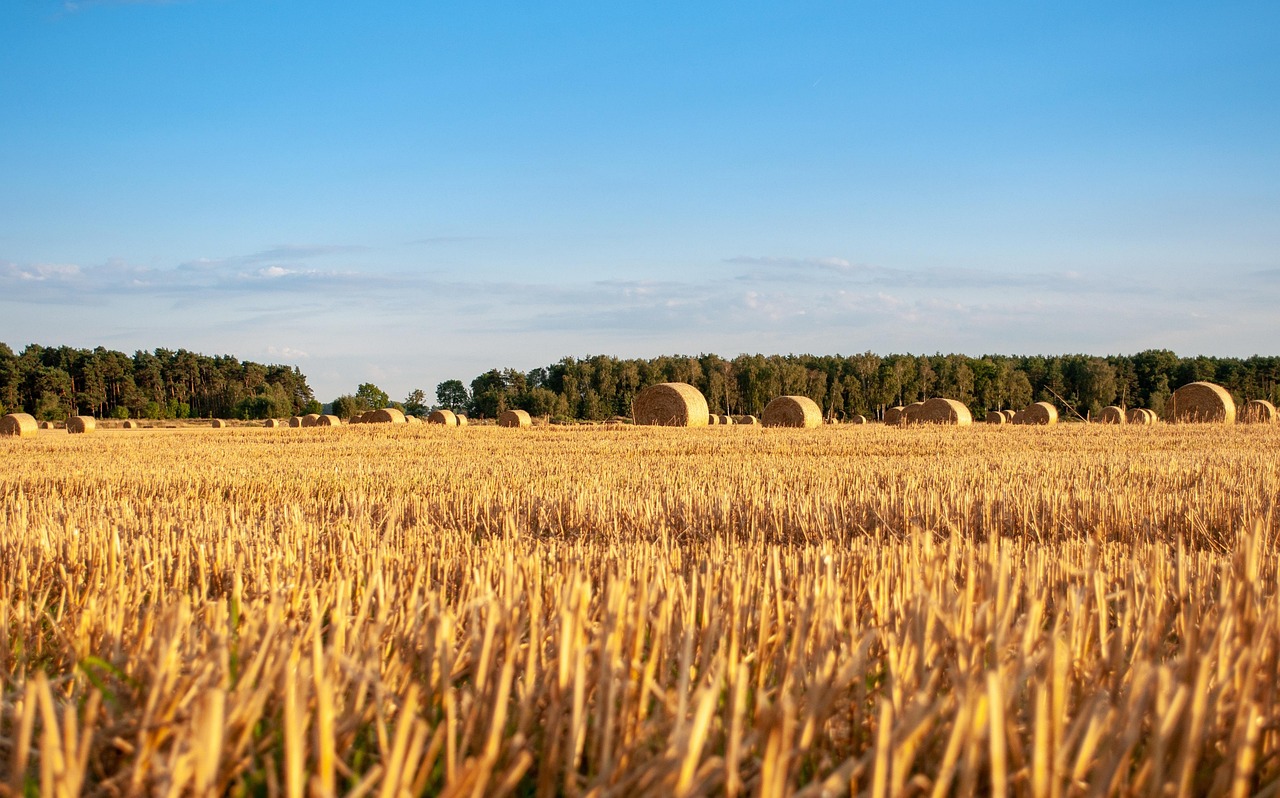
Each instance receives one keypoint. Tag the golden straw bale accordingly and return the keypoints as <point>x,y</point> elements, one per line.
<point>387,415</point>
<point>747,420</point>
<point>1200,403</point>
<point>1138,415</point>
<point>1111,415</point>
<point>218,423</point>
<point>310,419</point>
<point>328,421</point>
<point>857,420</point>
<point>130,425</point>
<point>894,416</point>
<point>726,419</point>
<point>19,424</point>
<point>1258,411</point>
<point>671,404</point>
<point>1038,413</point>
<point>46,425</point>
<point>296,421</point>
<point>996,417</point>
<point>79,425</point>
<point>412,420</point>
<point>713,420</point>
<point>1010,414</point>
<point>515,418</point>
<point>792,411</point>
<point>271,422</point>
<point>911,413</point>
<point>462,420</point>
<point>444,417</point>
<point>943,411</point>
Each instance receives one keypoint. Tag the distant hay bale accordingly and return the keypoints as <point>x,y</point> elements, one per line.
<point>218,423</point>
<point>358,418</point>
<point>79,425</point>
<point>387,415</point>
<point>895,416</point>
<point>515,418</point>
<point>671,404</point>
<point>271,422</point>
<point>133,425</point>
<point>310,419</point>
<point>792,411</point>
<point>1111,414</point>
<point>1010,414</point>
<point>911,413</point>
<point>462,420</point>
<point>996,417</point>
<point>726,419</point>
<point>1040,413</point>
<point>443,417</point>
<point>46,425</point>
<point>857,420</point>
<point>1258,411</point>
<point>411,419</point>
<point>19,424</point>
<point>328,421</point>
<point>1140,416</point>
<point>943,411</point>
<point>713,420</point>
<point>747,420</point>
<point>1200,403</point>
<point>296,421</point>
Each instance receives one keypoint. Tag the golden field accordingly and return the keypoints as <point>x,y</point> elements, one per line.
<point>376,610</point>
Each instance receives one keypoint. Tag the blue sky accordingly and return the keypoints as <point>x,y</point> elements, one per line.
<point>405,192</point>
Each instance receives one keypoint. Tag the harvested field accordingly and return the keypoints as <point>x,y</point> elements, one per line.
<point>1069,609</point>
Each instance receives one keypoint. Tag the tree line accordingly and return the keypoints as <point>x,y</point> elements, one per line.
<point>599,387</point>
<point>55,382</point>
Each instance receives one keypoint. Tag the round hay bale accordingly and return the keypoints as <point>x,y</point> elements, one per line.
<point>218,423</point>
<point>328,421</point>
<point>996,417</point>
<point>747,420</point>
<point>943,411</point>
<point>271,422</point>
<point>46,425</point>
<point>310,419</point>
<point>1010,414</point>
<point>1201,403</point>
<point>726,419</point>
<point>1138,415</point>
<point>412,420</point>
<point>1152,418</point>
<point>296,421</point>
<point>1111,414</point>
<point>387,415</point>
<point>19,424</point>
<point>79,425</point>
<point>515,418</point>
<point>671,404</point>
<point>911,413</point>
<point>857,420</point>
<point>444,417</point>
<point>1039,413</point>
<point>1258,411</point>
<point>713,420</point>
<point>462,420</point>
<point>792,411</point>
<point>131,425</point>
<point>894,416</point>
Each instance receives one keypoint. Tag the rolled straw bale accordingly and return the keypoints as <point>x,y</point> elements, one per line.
<point>713,420</point>
<point>1258,411</point>
<point>444,417</point>
<point>412,420</point>
<point>271,422</point>
<point>1111,415</point>
<point>1151,415</point>
<point>1138,415</point>
<point>747,420</point>
<point>671,404</point>
<point>328,421</point>
<point>218,423</point>
<point>911,413</point>
<point>310,419</point>
<point>296,421</point>
<point>792,411</point>
<point>1201,403</point>
<point>462,420</point>
<point>46,425</point>
<point>130,425</point>
<point>1038,413</point>
<point>726,419</point>
<point>943,411</point>
<point>387,415</point>
<point>79,425</point>
<point>1010,414</point>
<point>894,416</point>
<point>19,424</point>
<point>515,418</point>
<point>857,419</point>
<point>996,417</point>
